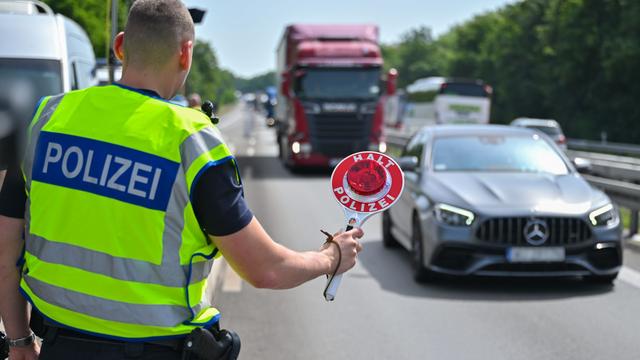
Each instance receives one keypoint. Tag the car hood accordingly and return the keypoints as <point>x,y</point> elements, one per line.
<point>528,192</point>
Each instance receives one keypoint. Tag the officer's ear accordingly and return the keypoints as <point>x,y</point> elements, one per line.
<point>186,52</point>
<point>118,46</point>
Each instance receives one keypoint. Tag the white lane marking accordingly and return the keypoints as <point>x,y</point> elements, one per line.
<point>630,276</point>
<point>232,282</point>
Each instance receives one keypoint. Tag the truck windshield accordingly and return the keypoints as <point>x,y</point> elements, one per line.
<point>351,83</point>
<point>24,82</point>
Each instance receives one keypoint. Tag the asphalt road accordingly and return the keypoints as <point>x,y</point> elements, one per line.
<point>380,313</point>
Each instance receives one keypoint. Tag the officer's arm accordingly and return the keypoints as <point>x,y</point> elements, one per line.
<point>13,307</point>
<point>266,264</point>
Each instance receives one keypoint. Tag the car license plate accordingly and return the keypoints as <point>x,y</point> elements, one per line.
<point>529,255</point>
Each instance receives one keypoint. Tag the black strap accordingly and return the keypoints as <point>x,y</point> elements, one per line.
<point>335,271</point>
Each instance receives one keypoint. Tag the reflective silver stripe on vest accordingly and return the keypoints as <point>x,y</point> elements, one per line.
<point>199,143</point>
<point>149,315</point>
<point>115,267</point>
<point>174,221</point>
<point>43,119</point>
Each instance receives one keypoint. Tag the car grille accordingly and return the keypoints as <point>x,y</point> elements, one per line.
<point>510,231</point>
<point>339,135</point>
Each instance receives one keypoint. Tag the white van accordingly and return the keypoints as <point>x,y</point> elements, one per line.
<point>41,53</point>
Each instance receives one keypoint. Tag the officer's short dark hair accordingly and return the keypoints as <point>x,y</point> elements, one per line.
<point>155,30</point>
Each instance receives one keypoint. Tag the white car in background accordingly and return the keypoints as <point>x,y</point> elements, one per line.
<point>548,127</point>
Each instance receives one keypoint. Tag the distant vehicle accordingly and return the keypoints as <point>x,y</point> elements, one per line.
<point>549,127</point>
<point>439,100</point>
<point>269,105</point>
<point>102,71</point>
<point>329,100</point>
<point>500,201</point>
<point>42,53</point>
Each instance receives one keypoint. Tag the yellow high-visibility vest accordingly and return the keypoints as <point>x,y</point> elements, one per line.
<point>113,247</point>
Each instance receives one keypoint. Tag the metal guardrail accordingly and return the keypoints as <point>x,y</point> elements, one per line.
<point>604,147</point>
<point>618,176</point>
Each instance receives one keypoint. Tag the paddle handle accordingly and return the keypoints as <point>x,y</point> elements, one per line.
<point>334,284</point>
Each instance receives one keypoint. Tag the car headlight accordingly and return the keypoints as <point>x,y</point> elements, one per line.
<point>606,215</point>
<point>454,216</point>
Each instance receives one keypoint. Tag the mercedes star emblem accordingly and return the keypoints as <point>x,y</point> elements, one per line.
<point>536,232</point>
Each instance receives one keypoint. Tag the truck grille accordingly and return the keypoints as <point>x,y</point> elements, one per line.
<point>339,135</point>
<point>510,231</point>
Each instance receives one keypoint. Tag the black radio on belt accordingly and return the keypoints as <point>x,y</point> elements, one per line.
<point>212,345</point>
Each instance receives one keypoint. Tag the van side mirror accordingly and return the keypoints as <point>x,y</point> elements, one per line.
<point>408,163</point>
<point>392,79</point>
<point>582,165</point>
<point>285,85</point>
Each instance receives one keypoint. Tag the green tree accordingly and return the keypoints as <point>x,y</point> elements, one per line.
<point>92,15</point>
<point>572,60</point>
<point>256,83</point>
<point>206,78</point>
<point>415,56</point>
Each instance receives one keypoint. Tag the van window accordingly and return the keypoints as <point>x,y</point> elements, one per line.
<point>82,75</point>
<point>25,81</point>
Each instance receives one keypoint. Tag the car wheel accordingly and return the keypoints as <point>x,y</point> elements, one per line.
<point>387,238</point>
<point>601,279</point>
<point>420,273</point>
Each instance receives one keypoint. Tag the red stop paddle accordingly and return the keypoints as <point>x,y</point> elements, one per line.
<point>364,184</point>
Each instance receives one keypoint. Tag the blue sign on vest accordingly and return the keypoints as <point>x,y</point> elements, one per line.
<point>105,169</point>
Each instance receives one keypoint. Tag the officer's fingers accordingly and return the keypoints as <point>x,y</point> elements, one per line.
<point>359,247</point>
<point>357,233</point>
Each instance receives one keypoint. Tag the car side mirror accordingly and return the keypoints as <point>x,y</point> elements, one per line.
<point>582,165</point>
<point>408,163</point>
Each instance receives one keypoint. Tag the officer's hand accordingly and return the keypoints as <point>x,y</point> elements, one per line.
<point>349,246</point>
<point>25,353</point>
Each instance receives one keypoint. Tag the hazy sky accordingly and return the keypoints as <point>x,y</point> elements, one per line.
<point>246,33</point>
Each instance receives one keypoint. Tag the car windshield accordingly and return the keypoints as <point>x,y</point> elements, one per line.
<point>549,130</point>
<point>24,82</point>
<point>350,83</point>
<point>496,153</point>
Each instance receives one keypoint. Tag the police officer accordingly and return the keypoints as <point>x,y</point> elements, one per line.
<point>124,199</point>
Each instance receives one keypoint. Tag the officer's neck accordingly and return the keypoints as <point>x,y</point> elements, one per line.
<point>163,85</point>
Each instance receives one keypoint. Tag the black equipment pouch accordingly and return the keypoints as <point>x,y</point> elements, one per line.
<point>211,344</point>
<point>4,346</point>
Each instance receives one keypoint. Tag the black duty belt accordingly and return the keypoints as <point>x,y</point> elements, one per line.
<point>52,332</point>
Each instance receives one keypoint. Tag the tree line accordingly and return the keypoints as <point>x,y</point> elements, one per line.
<point>576,61</point>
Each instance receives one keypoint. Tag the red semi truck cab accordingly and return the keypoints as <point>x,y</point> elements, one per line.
<point>331,92</point>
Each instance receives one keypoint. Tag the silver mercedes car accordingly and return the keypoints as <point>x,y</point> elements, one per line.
<point>500,201</point>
